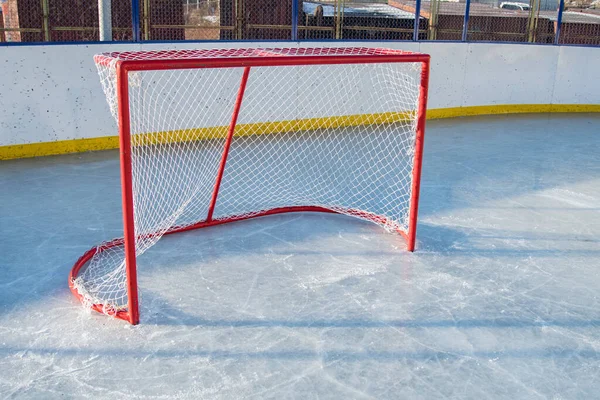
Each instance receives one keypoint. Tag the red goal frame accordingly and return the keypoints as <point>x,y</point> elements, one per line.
<point>126,62</point>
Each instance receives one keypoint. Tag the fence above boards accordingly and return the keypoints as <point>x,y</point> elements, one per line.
<point>532,21</point>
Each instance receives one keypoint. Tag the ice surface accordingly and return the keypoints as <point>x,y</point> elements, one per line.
<point>500,300</point>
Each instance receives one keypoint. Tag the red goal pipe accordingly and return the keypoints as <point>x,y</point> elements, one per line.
<point>127,195</point>
<point>159,65</point>
<point>233,123</point>
<point>418,161</point>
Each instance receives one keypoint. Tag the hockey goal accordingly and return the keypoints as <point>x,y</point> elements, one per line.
<point>215,136</point>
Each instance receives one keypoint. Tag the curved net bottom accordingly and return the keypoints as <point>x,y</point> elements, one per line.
<point>105,255</point>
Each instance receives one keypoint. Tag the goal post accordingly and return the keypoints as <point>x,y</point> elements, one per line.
<point>209,137</point>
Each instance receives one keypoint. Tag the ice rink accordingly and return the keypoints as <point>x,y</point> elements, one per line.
<point>500,299</point>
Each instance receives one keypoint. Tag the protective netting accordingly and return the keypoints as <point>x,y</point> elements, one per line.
<point>340,137</point>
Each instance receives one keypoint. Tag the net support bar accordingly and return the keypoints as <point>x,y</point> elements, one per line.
<point>230,132</point>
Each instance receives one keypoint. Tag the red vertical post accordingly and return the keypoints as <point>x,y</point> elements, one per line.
<point>127,194</point>
<point>418,161</point>
<point>232,124</point>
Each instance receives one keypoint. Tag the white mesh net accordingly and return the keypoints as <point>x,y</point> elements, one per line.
<point>341,137</point>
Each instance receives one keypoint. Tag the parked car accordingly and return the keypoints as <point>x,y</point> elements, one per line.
<point>514,6</point>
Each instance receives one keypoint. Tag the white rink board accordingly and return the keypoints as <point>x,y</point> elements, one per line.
<point>580,85</point>
<point>50,93</point>
<point>509,74</point>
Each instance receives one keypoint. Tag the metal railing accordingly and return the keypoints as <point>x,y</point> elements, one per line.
<point>539,21</point>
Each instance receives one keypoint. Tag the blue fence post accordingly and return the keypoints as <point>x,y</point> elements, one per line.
<point>294,19</point>
<point>135,19</point>
<point>561,6</point>
<point>417,20</point>
<point>465,33</point>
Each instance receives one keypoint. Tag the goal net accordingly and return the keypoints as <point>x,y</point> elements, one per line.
<point>213,136</point>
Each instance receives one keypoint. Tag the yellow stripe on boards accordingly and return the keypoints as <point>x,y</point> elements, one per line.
<point>112,142</point>
<point>58,147</point>
<point>266,128</point>
<point>438,113</point>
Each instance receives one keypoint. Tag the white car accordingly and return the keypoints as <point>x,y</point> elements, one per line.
<point>515,6</point>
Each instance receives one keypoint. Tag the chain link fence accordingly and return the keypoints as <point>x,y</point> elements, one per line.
<point>528,21</point>
<point>513,22</point>
<point>61,21</point>
<point>580,24</point>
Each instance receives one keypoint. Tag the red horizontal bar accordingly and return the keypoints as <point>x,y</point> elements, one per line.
<point>158,65</point>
